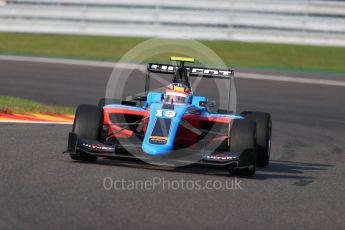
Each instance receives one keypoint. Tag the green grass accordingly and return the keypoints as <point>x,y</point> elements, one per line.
<point>235,54</point>
<point>15,105</point>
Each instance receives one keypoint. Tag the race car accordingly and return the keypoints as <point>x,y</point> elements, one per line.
<point>173,126</point>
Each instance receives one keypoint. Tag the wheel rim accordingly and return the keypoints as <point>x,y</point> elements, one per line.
<point>269,139</point>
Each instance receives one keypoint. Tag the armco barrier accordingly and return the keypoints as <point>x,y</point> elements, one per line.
<point>293,21</point>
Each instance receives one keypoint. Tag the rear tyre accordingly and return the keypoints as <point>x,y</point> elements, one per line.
<point>264,134</point>
<point>88,123</point>
<point>242,140</point>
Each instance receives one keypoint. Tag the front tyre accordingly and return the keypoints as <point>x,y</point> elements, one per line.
<point>264,134</point>
<point>243,141</point>
<point>88,123</point>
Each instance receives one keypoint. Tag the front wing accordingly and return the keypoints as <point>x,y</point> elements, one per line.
<point>92,147</point>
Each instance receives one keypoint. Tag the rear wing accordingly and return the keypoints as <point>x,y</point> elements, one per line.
<point>193,71</point>
<point>226,74</point>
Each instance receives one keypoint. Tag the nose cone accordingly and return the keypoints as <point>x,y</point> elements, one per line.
<point>162,129</point>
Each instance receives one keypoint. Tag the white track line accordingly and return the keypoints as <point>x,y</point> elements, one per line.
<point>289,79</point>
<point>62,61</point>
<point>58,61</point>
<point>239,75</point>
<point>36,122</point>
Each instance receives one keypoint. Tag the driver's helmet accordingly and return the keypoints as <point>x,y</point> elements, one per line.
<point>177,93</point>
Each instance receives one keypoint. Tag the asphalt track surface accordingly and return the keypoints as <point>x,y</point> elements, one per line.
<point>303,188</point>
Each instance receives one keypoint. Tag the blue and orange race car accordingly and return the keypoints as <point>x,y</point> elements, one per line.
<point>173,128</point>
